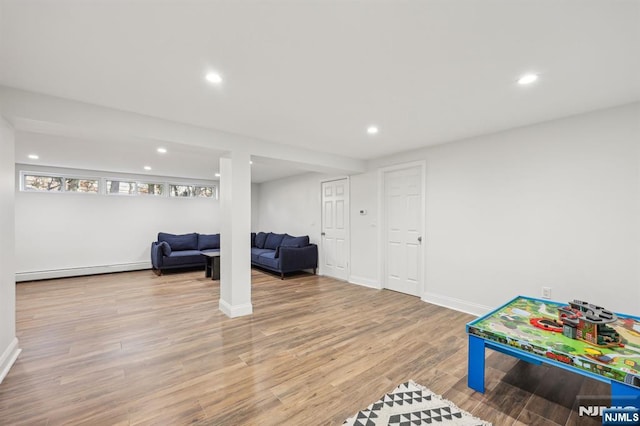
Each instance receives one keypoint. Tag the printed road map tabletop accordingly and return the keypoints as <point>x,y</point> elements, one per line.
<point>510,325</point>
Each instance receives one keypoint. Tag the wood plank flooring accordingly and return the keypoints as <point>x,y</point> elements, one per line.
<point>137,349</point>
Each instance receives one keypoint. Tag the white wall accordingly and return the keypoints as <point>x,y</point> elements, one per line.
<point>63,234</point>
<point>255,205</point>
<point>555,204</point>
<point>364,229</point>
<point>8,342</point>
<point>291,205</point>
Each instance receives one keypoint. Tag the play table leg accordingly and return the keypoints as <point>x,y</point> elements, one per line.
<point>475,372</point>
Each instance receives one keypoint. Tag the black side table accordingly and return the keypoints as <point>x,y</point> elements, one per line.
<point>212,268</point>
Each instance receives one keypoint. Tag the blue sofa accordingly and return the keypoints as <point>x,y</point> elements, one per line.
<point>280,253</point>
<point>181,251</point>
<point>283,253</point>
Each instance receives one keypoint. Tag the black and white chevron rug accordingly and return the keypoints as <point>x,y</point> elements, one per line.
<point>411,404</point>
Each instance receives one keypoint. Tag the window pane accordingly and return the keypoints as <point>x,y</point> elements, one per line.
<point>42,183</point>
<point>151,188</point>
<point>182,191</point>
<point>120,187</point>
<point>204,191</point>
<point>81,185</point>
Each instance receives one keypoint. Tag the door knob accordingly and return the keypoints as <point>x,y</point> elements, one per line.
<point>419,239</point>
<point>322,233</point>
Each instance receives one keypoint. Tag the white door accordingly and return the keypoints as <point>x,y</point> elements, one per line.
<point>403,210</point>
<point>335,222</point>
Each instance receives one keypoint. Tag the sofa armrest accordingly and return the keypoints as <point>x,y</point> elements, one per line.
<point>298,258</point>
<point>156,255</point>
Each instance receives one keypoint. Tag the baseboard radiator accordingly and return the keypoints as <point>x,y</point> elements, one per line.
<point>79,271</point>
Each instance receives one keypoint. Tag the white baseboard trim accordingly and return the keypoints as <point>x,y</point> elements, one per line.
<point>365,282</point>
<point>8,357</point>
<point>74,272</point>
<point>235,311</point>
<point>456,304</point>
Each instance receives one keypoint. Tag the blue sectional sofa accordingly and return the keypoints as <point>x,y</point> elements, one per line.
<point>182,251</point>
<point>280,253</point>
<point>283,253</point>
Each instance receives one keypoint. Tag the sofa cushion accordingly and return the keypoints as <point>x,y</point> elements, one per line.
<point>273,240</point>
<point>211,241</point>
<point>180,242</point>
<point>269,260</point>
<point>184,257</point>
<point>165,248</point>
<point>261,237</point>
<point>256,252</point>
<point>253,239</point>
<point>289,241</point>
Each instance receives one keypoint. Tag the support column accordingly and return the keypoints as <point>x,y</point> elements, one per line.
<point>9,349</point>
<point>235,232</point>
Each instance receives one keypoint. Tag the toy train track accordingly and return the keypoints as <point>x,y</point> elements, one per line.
<point>546,324</point>
<point>583,321</point>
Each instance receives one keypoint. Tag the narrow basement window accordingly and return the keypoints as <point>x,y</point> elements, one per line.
<point>147,188</point>
<point>89,186</point>
<point>121,187</point>
<point>181,190</point>
<point>205,191</point>
<point>41,183</point>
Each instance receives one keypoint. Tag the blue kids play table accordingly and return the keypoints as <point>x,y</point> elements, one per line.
<point>509,330</point>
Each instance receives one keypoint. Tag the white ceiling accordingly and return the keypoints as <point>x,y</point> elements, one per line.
<point>127,156</point>
<point>316,73</point>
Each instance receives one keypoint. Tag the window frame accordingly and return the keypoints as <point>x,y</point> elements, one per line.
<point>23,186</point>
<point>63,181</point>
<point>148,182</point>
<point>124,194</point>
<point>70,177</point>
<point>103,187</point>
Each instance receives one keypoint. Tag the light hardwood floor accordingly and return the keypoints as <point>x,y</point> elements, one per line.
<point>135,348</point>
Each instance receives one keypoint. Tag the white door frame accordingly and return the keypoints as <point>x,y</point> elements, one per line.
<point>382,253</point>
<point>347,227</point>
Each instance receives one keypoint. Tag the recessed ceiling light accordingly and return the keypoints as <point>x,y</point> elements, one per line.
<point>214,77</point>
<point>527,79</point>
<point>33,156</point>
<point>147,167</point>
<point>217,174</point>
<point>162,150</point>
<point>372,130</point>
